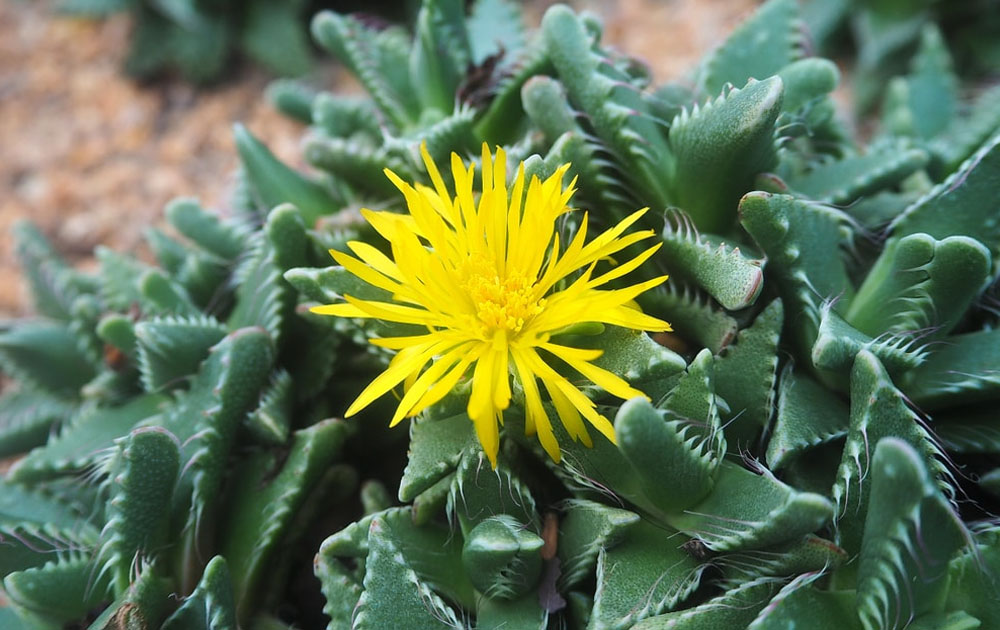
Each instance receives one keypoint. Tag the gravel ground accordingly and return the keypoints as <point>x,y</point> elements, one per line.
<point>92,156</point>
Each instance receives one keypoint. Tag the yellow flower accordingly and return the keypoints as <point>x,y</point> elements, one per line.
<point>482,278</point>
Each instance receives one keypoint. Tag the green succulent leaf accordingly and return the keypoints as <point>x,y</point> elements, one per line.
<point>29,350</point>
<point>728,275</point>
<point>46,273</point>
<point>735,608</point>
<point>811,554</point>
<point>525,612</point>
<point>206,229</point>
<point>966,134</point>
<point>206,417</point>
<point>692,315</point>
<point>745,376</point>
<point>119,280</point>
<point>923,103</point>
<point>962,369</point>
<point>432,550</point>
<point>162,295</point>
<point>845,180</point>
<point>341,590</point>
<point>973,585</point>
<point>646,574</point>
<point>683,443</point>
<point>436,446</point>
<point>363,51</point>
<point>619,115</point>
<point>441,51</point>
<point>170,349</point>
<point>340,116</point>
<point>807,415</point>
<point>264,502</point>
<point>800,600</point>
<point>431,502</point>
<point>586,528</point>
<point>57,593</point>
<point>34,526</point>
<point>921,286</point>
<point>274,183</point>
<point>502,557</point>
<point>480,493</point>
<point>394,596</point>
<point>263,295</point>
<point>494,26</point>
<point>270,423</point>
<point>878,410</point>
<point>807,81</point>
<point>956,620</point>
<point>720,148</point>
<point>84,441</point>
<point>968,430</point>
<point>27,417</point>
<point>636,357</point>
<point>762,45</point>
<point>211,605</point>
<point>906,509</point>
<point>142,479</point>
<point>272,35</point>
<point>145,604</point>
<point>962,205</point>
<point>293,98</point>
<point>752,509</point>
<point>803,242</point>
<point>838,343</point>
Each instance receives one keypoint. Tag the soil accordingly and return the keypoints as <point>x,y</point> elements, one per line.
<point>92,156</point>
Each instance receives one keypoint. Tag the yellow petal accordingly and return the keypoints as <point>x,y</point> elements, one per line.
<point>339,310</point>
<point>608,381</point>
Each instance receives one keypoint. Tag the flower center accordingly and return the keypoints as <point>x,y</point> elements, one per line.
<point>502,304</point>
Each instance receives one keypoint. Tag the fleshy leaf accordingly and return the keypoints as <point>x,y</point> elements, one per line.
<point>878,410</point>
<point>907,510</point>
<point>735,608</point>
<point>720,148</point>
<point>964,204</point>
<point>807,415</point>
<point>142,479</point>
<point>27,416</point>
<point>84,441</point>
<point>845,180</point>
<point>745,377</point>
<point>746,510</point>
<point>762,45</point>
<point>29,350</point>
<point>171,348</point>
<point>586,528</point>
<point>275,183</point>
<point>963,368</point>
<point>58,593</point>
<point>800,600</point>
<point>727,274</point>
<point>436,445</point>
<point>210,606</point>
<point>648,573</point>
<point>803,242</point>
<point>920,286</point>
<point>394,596</point>
<point>684,443</point>
<point>260,512</point>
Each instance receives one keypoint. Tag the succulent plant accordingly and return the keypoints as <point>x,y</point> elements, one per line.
<point>814,446</point>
